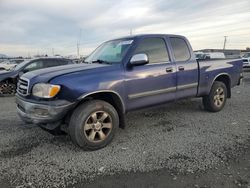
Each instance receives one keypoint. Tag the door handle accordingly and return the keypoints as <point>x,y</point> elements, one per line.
<point>181,68</point>
<point>170,69</point>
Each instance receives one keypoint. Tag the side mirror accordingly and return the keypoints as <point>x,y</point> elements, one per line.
<point>139,59</point>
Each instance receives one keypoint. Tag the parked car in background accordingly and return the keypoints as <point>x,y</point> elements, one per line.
<point>10,64</point>
<point>246,60</point>
<point>77,61</point>
<point>200,55</point>
<point>215,55</point>
<point>9,78</point>
<point>89,101</point>
<point>210,55</point>
<point>7,65</point>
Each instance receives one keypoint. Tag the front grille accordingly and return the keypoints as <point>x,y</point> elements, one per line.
<point>23,86</point>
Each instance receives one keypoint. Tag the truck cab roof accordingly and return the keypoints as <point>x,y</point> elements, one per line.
<point>148,35</point>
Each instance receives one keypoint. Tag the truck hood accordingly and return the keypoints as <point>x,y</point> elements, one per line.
<point>48,73</point>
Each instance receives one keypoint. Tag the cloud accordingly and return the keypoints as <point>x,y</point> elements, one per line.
<point>31,26</point>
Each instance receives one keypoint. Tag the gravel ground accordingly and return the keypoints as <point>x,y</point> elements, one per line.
<point>180,137</point>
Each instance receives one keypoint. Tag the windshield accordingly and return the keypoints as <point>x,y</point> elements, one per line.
<point>110,52</point>
<point>246,55</point>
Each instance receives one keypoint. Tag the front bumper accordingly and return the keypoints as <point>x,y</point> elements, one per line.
<point>42,112</point>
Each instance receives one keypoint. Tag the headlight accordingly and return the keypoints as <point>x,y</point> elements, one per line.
<point>45,90</point>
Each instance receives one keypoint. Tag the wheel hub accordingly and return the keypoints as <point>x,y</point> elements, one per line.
<point>98,126</point>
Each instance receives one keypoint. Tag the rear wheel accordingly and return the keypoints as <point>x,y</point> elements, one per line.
<point>217,97</point>
<point>93,124</point>
<point>7,88</point>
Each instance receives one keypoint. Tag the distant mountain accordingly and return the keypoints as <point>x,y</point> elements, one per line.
<point>3,56</point>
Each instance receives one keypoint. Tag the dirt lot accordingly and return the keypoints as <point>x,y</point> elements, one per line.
<point>177,144</point>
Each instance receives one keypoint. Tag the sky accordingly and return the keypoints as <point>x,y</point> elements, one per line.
<point>31,27</point>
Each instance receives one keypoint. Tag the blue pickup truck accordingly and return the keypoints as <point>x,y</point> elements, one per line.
<point>89,101</point>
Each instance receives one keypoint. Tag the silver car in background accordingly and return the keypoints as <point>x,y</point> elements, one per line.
<point>10,64</point>
<point>246,60</point>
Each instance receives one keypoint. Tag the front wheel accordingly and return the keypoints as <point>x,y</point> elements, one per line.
<point>217,97</point>
<point>93,124</point>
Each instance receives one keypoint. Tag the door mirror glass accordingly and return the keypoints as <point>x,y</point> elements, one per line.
<point>139,59</point>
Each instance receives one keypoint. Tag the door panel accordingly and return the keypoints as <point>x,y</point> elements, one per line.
<point>187,68</point>
<point>154,82</point>
<point>187,79</point>
<point>150,84</point>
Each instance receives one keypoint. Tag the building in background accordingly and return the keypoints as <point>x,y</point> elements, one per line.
<point>247,50</point>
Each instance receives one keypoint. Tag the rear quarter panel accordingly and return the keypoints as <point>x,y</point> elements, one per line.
<point>211,69</point>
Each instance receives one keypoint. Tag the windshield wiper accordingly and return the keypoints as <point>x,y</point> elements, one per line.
<point>101,61</point>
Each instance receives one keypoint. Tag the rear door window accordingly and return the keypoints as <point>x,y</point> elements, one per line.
<point>68,61</point>
<point>54,62</point>
<point>180,49</point>
<point>62,62</point>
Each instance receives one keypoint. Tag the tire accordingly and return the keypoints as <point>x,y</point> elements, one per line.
<point>216,100</point>
<point>7,89</point>
<point>93,124</point>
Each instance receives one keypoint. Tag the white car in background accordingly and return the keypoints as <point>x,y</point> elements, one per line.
<point>246,60</point>
<point>215,55</point>
<point>210,55</point>
<point>9,64</point>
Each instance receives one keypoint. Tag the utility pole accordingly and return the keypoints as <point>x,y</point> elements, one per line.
<point>53,53</point>
<point>131,32</point>
<point>225,42</point>
<point>77,48</point>
<point>78,44</point>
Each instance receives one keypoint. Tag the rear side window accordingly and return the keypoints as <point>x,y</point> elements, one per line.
<point>54,62</point>
<point>155,48</point>
<point>50,62</point>
<point>62,62</point>
<point>180,49</point>
<point>68,61</point>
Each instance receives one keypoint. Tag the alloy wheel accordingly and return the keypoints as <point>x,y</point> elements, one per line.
<point>219,97</point>
<point>98,126</point>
